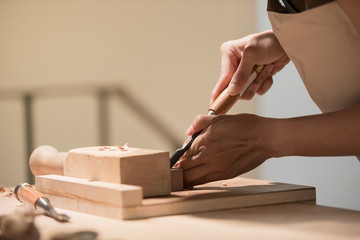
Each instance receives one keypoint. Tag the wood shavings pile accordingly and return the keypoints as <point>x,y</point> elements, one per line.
<point>117,148</point>
<point>6,192</point>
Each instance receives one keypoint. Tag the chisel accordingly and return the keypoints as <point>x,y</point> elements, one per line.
<point>221,105</point>
<point>26,193</point>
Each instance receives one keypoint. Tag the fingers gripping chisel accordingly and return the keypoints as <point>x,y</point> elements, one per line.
<point>221,105</point>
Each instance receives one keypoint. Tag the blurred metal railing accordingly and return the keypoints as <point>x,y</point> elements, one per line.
<point>102,93</point>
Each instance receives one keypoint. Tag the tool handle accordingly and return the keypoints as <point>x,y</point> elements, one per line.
<point>46,160</point>
<point>27,194</point>
<point>225,101</point>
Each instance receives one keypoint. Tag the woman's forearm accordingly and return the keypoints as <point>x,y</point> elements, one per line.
<point>329,134</point>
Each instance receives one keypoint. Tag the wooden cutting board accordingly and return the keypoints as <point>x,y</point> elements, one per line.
<point>227,194</point>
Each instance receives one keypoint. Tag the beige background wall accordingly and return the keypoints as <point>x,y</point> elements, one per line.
<point>164,54</point>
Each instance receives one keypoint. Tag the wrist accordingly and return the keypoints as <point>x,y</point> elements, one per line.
<point>279,137</point>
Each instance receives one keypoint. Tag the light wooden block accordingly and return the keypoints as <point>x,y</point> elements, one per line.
<point>146,168</point>
<point>110,194</point>
<point>177,183</point>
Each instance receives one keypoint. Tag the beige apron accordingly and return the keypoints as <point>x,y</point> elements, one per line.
<point>324,46</point>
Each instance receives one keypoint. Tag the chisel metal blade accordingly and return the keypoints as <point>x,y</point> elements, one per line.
<point>179,152</point>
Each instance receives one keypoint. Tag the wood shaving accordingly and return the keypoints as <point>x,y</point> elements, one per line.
<point>124,148</point>
<point>6,192</point>
<point>117,148</point>
<point>103,148</point>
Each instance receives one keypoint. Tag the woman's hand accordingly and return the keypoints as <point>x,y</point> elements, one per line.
<point>228,146</point>
<point>238,58</point>
<point>234,144</point>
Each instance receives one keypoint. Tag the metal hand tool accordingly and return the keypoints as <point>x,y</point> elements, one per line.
<point>26,193</point>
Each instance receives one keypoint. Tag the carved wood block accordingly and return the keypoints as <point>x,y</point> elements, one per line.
<point>146,168</point>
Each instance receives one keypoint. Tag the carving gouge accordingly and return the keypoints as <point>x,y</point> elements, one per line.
<point>221,105</point>
<point>26,193</point>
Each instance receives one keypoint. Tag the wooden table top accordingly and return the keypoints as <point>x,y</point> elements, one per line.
<point>283,221</point>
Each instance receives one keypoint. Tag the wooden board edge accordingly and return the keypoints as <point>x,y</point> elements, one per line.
<point>56,185</point>
<point>186,207</point>
<point>76,205</point>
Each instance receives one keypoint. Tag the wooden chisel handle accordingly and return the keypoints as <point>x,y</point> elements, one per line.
<point>225,101</point>
<point>26,193</point>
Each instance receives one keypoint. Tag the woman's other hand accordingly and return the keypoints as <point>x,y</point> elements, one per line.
<point>238,58</point>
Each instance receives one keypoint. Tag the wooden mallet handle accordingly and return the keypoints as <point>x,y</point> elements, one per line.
<point>46,160</point>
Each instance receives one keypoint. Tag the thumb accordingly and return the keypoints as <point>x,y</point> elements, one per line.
<point>201,122</point>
